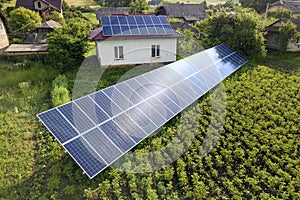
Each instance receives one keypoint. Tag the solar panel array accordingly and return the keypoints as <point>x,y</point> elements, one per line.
<point>99,128</point>
<point>135,25</point>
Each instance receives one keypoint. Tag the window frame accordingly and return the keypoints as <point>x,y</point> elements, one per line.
<point>119,52</point>
<point>155,51</point>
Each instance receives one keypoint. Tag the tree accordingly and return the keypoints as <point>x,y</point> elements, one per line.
<point>243,32</point>
<point>56,17</point>
<point>23,20</point>
<point>258,5</point>
<point>138,6</point>
<point>287,31</point>
<point>67,45</point>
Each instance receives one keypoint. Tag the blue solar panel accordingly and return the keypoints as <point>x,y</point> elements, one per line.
<point>102,145</point>
<point>76,117</point>
<point>118,136</point>
<point>136,25</point>
<point>94,112</point>
<point>105,103</point>
<point>107,30</point>
<point>83,153</point>
<point>99,128</point>
<point>58,125</point>
<point>130,127</point>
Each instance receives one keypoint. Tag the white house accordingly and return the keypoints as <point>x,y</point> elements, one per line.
<point>134,39</point>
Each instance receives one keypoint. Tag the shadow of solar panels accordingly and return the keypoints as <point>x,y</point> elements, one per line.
<point>99,128</point>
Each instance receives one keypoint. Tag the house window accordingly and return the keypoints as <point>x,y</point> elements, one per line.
<point>39,4</point>
<point>155,51</point>
<point>119,52</point>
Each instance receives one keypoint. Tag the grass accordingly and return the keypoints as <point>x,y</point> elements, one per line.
<point>91,17</point>
<point>82,2</point>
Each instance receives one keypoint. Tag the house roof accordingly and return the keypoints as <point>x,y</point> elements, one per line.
<point>97,34</point>
<point>49,24</point>
<point>29,4</point>
<point>5,22</point>
<point>190,12</point>
<point>106,11</point>
<point>275,26</point>
<point>294,6</point>
<point>24,49</point>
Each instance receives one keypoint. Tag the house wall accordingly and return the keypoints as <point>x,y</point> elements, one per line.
<point>3,36</point>
<point>136,51</point>
<point>273,43</point>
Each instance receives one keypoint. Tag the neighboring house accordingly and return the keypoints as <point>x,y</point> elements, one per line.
<point>293,6</point>
<point>107,11</point>
<point>35,42</point>
<point>272,36</point>
<point>4,30</point>
<point>186,12</point>
<point>135,39</point>
<point>44,7</point>
<point>39,35</point>
<point>26,49</point>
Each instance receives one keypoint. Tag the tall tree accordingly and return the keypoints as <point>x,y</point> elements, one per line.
<point>23,20</point>
<point>138,6</point>
<point>68,45</point>
<point>243,32</point>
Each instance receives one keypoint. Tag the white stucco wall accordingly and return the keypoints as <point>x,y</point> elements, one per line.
<point>136,51</point>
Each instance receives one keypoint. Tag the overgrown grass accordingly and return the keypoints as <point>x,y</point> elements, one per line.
<point>34,166</point>
<point>82,2</point>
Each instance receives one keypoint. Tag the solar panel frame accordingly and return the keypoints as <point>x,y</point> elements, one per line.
<point>137,113</point>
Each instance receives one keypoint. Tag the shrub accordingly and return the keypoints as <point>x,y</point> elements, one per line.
<point>60,81</point>
<point>59,96</point>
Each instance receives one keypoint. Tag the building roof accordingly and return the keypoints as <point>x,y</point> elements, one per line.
<point>275,26</point>
<point>26,49</point>
<point>41,36</point>
<point>5,22</point>
<point>29,4</point>
<point>97,34</point>
<point>190,12</point>
<point>49,24</point>
<point>106,11</point>
<point>294,6</point>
